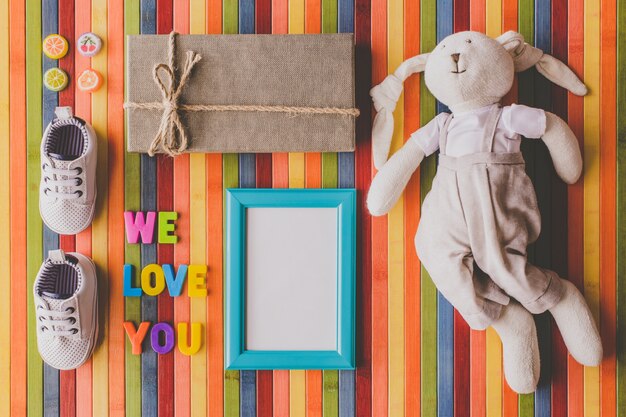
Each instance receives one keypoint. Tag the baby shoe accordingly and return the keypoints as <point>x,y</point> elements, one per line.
<point>66,302</point>
<point>67,192</point>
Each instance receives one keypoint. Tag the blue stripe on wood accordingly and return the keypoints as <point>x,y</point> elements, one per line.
<point>247,170</point>
<point>49,16</point>
<point>346,173</point>
<point>247,396</point>
<point>247,179</point>
<point>149,305</point>
<point>543,172</point>
<point>445,311</point>
<point>246,16</point>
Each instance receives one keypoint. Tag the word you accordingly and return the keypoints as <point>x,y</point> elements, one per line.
<point>162,337</point>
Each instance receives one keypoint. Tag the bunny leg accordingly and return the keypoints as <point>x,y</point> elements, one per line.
<point>520,349</point>
<point>577,326</point>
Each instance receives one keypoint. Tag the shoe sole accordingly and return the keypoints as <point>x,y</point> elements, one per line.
<point>95,329</point>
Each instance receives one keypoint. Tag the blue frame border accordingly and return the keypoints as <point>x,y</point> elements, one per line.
<point>235,354</point>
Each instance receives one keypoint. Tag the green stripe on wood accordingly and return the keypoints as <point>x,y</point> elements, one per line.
<point>428,39</point>
<point>526,20</point>
<point>34,225</point>
<point>329,16</point>
<point>132,202</point>
<point>330,393</point>
<point>329,170</point>
<point>230,179</point>
<point>621,208</point>
<point>230,16</point>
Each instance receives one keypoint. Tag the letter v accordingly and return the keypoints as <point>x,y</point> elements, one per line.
<point>175,285</point>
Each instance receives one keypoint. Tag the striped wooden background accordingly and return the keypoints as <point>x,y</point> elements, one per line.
<point>416,356</point>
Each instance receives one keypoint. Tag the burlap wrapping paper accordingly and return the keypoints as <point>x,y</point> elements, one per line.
<point>270,70</point>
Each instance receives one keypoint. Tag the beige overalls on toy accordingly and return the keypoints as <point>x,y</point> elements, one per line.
<point>481,213</point>
<point>482,209</point>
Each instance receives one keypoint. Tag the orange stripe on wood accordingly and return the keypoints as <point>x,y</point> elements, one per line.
<point>314,393</point>
<point>478,372</point>
<point>115,131</point>
<point>478,15</point>
<point>608,204</point>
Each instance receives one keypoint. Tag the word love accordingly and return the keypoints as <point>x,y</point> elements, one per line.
<point>140,224</point>
<point>154,279</point>
<point>162,337</point>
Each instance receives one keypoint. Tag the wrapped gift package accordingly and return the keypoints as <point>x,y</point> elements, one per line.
<point>245,93</point>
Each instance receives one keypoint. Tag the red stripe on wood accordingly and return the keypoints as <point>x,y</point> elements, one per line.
<point>264,394</point>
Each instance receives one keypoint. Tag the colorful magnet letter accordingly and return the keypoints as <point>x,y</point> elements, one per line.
<point>55,79</point>
<point>167,228</point>
<point>55,46</point>
<point>139,223</point>
<point>168,332</point>
<point>89,81</point>
<point>136,335</point>
<point>89,44</point>
<point>189,347</point>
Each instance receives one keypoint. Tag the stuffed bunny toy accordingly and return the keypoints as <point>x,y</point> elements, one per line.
<point>481,213</point>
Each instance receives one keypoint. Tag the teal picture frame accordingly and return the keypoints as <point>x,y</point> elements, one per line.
<point>236,356</point>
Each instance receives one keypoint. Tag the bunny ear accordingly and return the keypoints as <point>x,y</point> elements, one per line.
<point>385,96</point>
<point>560,74</point>
<point>524,55</point>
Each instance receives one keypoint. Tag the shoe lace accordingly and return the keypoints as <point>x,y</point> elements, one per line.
<point>62,182</point>
<point>57,322</point>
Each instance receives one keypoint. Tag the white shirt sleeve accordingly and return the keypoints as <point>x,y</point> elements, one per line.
<point>427,136</point>
<point>523,120</point>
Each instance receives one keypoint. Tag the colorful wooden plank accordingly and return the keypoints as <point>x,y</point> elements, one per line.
<point>263,176</point>
<point>182,363</point>
<point>363,73</point>
<point>18,164</point>
<point>379,289</point>
<point>99,226</point>
<point>115,138</point>
<point>165,252</point>
<point>558,227</point>
<point>592,190</point>
<point>149,306</point>
<point>621,211</point>
<point>132,190</point>
<point>428,40</point>
<point>461,338</point>
<point>50,24</point>
<point>478,341</point>
<point>608,206</point>
<point>34,224</point>
<point>575,22</point>
<point>67,379</point>
<point>445,311</point>
<point>5,212</point>
<point>395,228</point>
<point>411,219</point>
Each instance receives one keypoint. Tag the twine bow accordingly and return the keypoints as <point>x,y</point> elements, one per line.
<point>171,136</point>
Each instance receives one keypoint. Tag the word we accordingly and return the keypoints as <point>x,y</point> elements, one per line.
<point>136,337</point>
<point>138,223</point>
<point>164,276</point>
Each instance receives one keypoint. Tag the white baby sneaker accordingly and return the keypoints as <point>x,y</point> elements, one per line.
<point>520,348</point>
<point>67,192</point>
<point>66,303</point>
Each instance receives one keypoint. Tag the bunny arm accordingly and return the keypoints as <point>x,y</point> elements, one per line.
<point>563,147</point>
<point>391,180</point>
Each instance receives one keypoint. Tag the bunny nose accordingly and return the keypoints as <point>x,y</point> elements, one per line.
<point>455,57</point>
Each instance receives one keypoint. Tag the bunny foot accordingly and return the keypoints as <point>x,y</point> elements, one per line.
<point>520,349</point>
<point>577,326</point>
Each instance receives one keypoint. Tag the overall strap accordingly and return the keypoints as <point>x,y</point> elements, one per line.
<point>490,128</point>
<point>443,135</point>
